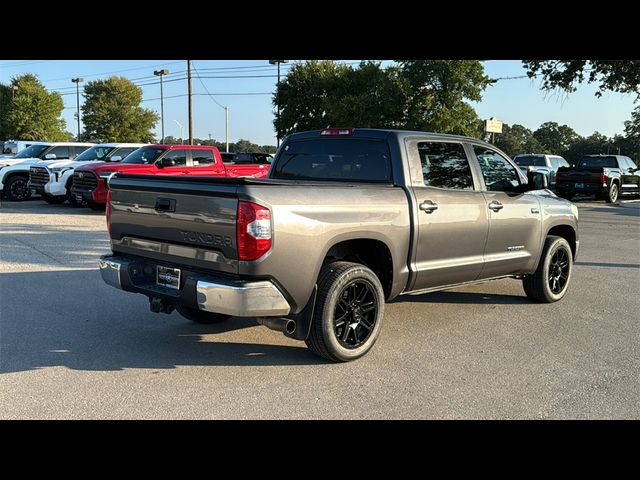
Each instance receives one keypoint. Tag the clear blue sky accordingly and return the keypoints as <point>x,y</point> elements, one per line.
<point>250,116</point>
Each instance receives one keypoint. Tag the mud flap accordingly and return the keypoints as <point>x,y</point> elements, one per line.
<point>304,318</point>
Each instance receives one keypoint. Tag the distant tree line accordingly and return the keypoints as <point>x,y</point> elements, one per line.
<point>241,145</point>
<point>562,140</point>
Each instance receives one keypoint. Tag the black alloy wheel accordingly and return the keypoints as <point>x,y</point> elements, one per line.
<point>355,313</point>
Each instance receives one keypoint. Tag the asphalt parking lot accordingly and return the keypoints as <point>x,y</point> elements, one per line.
<point>72,347</point>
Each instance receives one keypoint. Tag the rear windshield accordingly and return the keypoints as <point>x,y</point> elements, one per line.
<point>143,155</point>
<point>352,160</point>
<point>599,162</point>
<point>530,160</point>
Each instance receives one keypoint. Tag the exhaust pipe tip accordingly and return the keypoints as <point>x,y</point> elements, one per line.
<point>283,325</point>
<point>290,327</point>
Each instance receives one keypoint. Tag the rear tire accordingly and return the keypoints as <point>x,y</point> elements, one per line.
<point>54,199</point>
<point>550,282</point>
<point>348,313</point>
<point>17,190</point>
<point>612,195</point>
<point>200,316</point>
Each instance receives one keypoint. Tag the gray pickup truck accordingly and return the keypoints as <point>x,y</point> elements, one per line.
<point>346,220</point>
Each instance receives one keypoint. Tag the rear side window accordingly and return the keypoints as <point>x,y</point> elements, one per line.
<point>202,157</point>
<point>445,165</point>
<point>352,160</point>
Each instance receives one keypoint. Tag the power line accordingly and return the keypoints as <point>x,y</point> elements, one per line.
<point>208,94</point>
<point>206,89</point>
<point>113,71</point>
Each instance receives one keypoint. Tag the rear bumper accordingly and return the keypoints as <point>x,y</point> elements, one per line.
<point>587,188</point>
<point>211,293</point>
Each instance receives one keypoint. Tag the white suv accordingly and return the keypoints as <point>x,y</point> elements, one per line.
<point>14,172</point>
<point>53,180</point>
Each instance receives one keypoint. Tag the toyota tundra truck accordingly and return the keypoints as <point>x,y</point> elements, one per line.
<point>90,181</point>
<point>605,176</point>
<point>346,220</point>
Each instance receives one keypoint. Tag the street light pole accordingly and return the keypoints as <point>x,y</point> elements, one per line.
<point>226,115</point>
<point>160,74</point>
<point>190,108</point>
<point>77,81</point>
<point>181,131</point>
<point>278,62</point>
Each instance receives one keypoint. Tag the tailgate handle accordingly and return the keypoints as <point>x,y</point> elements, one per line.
<point>165,204</point>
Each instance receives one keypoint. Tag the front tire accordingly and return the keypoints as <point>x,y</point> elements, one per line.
<point>17,189</point>
<point>348,314</point>
<point>200,316</point>
<point>612,195</point>
<point>97,207</point>
<point>550,281</point>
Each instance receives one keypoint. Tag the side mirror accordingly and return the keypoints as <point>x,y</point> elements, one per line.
<point>537,181</point>
<point>166,162</point>
<point>115,158</point>
<point>50,156</point>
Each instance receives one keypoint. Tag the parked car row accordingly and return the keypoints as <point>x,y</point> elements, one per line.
<point>605,176</point>
<point>78,172</point>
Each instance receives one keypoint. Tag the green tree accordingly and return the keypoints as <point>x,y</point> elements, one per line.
<point>437,92</point>
<point>632,132</point>
<point>615,75</point>
<point>422,94</point>
<point>30,112</point>
<point>555,139</point>
<point>517,139</point>
<point>305,95</point>
<point>112,112</point>
<point>593,144</point>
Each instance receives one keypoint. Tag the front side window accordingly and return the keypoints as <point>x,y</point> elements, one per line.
<point>445,165</point>
<point>499,175</point>
<point>59,152</point>
<point>144,155</point>
<point>179,157</point>
<point>123,152</point>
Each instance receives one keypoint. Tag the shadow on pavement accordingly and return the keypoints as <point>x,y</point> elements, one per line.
<point>90,326</point>
<point>607,265</point>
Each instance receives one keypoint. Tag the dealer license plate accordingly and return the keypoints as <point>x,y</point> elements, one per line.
<point>168,277</point>
<point>579,185</point>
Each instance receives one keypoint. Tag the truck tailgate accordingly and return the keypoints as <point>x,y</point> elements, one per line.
<point>187,223</point>
<point>579,175</point>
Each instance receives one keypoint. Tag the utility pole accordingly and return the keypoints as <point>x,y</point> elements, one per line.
<point>77,81</point>
<point>190,107</point>
<point>226,116</point>
<point>278,62</point>
<point>160,74</point>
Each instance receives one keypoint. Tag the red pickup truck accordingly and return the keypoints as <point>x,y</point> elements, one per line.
<point>90,181</point>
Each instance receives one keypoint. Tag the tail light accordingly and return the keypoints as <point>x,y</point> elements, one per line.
<point>253,231</point>
<point>603,179</point>
<point>108,211</point>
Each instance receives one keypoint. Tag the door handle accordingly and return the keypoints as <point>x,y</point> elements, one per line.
<point>496,206</point>
<point>428,206</point>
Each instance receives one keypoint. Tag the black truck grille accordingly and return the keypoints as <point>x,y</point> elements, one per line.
<point>39,176</point>
<point>84,180</point>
